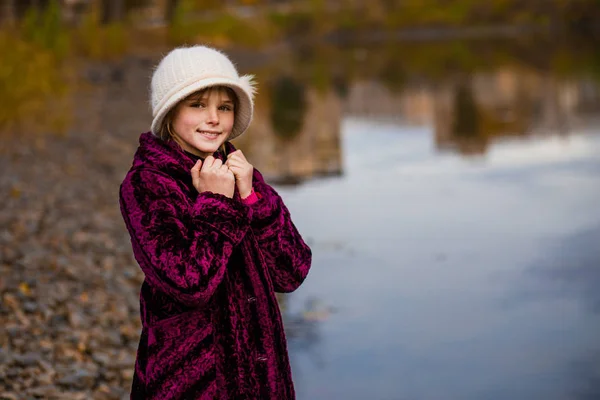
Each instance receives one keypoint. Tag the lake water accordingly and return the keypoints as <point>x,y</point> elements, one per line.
<point>448,278</point>
<point>452,269</point>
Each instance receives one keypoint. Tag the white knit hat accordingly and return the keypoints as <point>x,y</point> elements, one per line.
<point>186,70</point>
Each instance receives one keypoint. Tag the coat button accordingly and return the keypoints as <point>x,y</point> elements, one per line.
<point>251,299</point>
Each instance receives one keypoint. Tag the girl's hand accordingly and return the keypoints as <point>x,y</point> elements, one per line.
<point>213,176</point>
<point>242,170</point>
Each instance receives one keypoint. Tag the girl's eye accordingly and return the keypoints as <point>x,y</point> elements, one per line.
<point>195,105</point>
<point>226,108</point>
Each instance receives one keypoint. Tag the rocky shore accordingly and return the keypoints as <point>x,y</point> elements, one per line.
<point>69,286</point>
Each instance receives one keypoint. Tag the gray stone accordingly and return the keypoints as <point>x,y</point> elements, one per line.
<point>30,307</point>
<point>28,359</point>
<point>46,391</point>
<point>80,379</point>
<point>102,359</point>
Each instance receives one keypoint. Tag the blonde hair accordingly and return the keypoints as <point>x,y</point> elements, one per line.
<point>166,129</point>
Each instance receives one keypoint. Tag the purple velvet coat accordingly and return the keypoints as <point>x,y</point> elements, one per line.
<point>211,323</point>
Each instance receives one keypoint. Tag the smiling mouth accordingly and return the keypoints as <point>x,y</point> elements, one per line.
<point>209,134</point>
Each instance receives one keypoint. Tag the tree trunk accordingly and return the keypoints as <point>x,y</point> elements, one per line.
<point>112,11</point>
<point>7,11</point>
<point>170,10</point>
<point>21,6</point>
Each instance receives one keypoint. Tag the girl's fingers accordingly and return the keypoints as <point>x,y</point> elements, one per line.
<point>217,163</point>
<point>234,170</point>
<point>196,167</point>
<point>196,172</point>
<point>237,154</point>
<point>208,162</point>
<point>239,162</point>
<point>234,163</point>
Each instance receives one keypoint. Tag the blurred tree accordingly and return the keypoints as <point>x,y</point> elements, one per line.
<point>466,114</point>
<point>583,17</point>
<point>392,73</point>
<point>7,10</point>
<point>288,107</point>
<point>171,6</point>
<point>116,10</point>
<point>21,6</point>
<point>46,29</point>
<point>111,11</point>
<point>341,85</point>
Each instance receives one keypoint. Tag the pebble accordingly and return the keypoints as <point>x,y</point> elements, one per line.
<point>28,359</point>
<point>80,379</point>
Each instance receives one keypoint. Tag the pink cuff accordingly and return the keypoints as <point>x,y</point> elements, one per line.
<point>252,198</point>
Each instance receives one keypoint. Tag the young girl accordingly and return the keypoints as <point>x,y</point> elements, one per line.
<point>214,240</point>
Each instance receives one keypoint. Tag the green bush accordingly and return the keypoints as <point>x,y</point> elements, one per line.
<point>46,29</point>
<point>34,87</point>
<point>218,26</point>
<point>101,42</point>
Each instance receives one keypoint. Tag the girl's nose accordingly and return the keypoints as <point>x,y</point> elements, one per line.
<point>213,115</point>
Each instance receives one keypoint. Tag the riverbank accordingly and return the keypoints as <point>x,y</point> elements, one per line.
<point>69,285</point>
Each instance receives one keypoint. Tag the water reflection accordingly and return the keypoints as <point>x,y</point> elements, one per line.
<point>288,107</point>
<point>297,137</point>
<point>469,112</point>
<point>510,103</point>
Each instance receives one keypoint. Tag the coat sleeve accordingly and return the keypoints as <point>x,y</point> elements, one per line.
<point>182,246</point>
<point>287,256</point>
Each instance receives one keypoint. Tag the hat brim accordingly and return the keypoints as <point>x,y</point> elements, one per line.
<point>243,114</point>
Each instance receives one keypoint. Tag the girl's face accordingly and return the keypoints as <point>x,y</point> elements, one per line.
<point>203,121</point>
